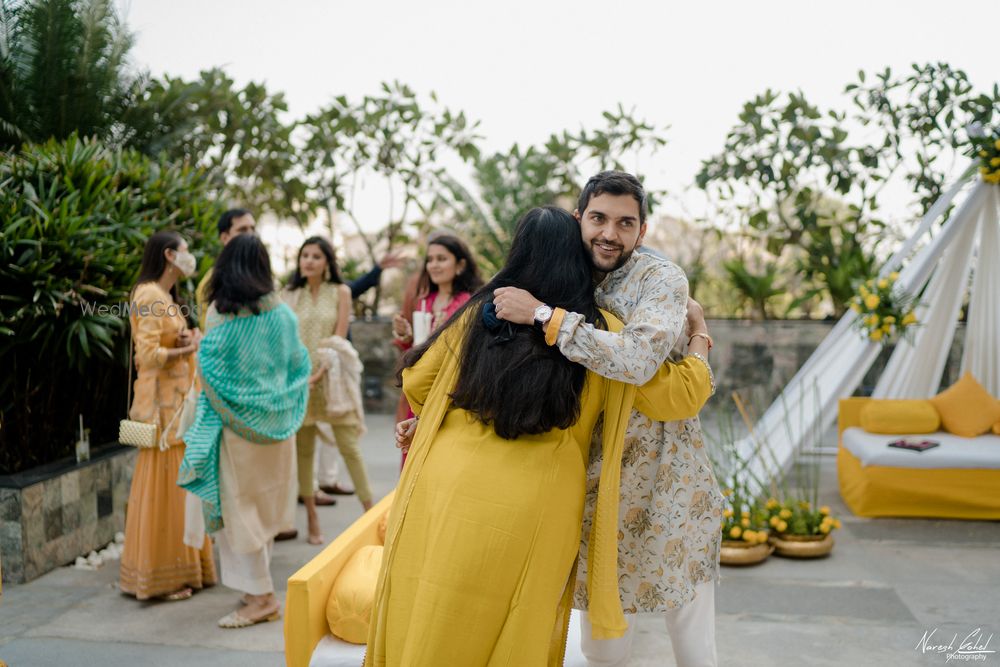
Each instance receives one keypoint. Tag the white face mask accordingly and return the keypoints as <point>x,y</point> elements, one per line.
<point>186,262</point>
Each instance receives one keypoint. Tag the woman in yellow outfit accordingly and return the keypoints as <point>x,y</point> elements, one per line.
<point>322,303</point>
<point>486,525</point>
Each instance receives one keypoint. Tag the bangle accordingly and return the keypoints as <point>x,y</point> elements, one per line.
<point>699,334</point>
<point>711,375</point>
<point>552,329</point>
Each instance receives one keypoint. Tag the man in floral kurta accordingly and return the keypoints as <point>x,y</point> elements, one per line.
<point>671,505</point>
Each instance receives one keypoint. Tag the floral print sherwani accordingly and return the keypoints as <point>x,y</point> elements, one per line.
<point>671,505</point>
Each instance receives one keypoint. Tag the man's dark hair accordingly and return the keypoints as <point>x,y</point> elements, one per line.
<point>510,379</point>
<point>241,276</point>
<point>614,183</point>
<point>226,219</point>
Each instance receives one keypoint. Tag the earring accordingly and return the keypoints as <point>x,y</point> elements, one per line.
<point>326,274</point>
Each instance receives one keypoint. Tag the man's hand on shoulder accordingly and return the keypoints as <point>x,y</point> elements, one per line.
<point>515,305</point>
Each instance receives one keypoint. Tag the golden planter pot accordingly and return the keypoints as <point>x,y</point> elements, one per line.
<point>802,546</point>
<point>738,552</point>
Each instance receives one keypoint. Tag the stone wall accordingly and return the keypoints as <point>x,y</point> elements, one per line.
<point>754,358</point>
<point>372,338</point>
<point>52,514</point>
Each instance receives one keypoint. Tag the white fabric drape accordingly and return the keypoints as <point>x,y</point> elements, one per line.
<point>981,355</point>
<point>809,401</point>
<point>935,212</point>
<point>915,274</point>
<point>914,369</point>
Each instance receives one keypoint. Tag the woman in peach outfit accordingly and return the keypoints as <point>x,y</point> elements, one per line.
<point>155,561</point>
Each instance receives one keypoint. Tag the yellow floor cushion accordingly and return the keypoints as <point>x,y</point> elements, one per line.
<point>902,417</point>
<point>966,408</point>
<point>349,608</point>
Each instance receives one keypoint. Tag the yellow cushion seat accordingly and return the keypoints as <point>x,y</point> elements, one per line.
<point>966,408</point>
<point>952,493</point>
<point>309,588</point>
<point>349,609</point>
<point>900,417</point>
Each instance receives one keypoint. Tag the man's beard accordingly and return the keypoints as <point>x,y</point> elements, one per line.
<point>619,263</point>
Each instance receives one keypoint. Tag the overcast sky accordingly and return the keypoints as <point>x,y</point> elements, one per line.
<point>529,68</point>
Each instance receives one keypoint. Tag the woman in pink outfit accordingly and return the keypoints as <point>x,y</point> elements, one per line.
<point>449,278</point>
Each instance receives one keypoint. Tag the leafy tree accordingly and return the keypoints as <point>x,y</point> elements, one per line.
<point>396,137</point>
<point>758,288</point>
<point>237,134</point>
<point>511,182</point>
<point>62,69</point>
<point>927,113</point>
<point>786,161</point>
<point>780,166</point>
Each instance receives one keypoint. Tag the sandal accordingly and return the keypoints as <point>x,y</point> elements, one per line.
<point>182,594</point>
<point>316,539</point>
<point>337,490</point>
<point>234,620</point>
<point>322,500</point>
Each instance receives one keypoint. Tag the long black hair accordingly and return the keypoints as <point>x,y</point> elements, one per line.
<point>241,276</point>
<point>154,261</point>
<point>298,280</point>
<point>509,378</point>
<point>469,280</point>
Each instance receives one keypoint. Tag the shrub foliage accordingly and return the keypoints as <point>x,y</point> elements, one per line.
<point>75,216</point>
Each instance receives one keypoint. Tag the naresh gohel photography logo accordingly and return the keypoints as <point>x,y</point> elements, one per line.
<point>973,646</point>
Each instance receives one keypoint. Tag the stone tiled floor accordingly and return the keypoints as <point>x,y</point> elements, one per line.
<point>885,585</point>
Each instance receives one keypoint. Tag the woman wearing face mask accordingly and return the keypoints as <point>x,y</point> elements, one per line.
<point>155,562</point>
<point>322,303</point>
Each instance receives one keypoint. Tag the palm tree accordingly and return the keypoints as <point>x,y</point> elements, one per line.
<point>62,69</point>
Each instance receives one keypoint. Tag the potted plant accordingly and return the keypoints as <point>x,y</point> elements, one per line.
<point>744,528</point>
<point>798,526</point>
<point>799,530</point>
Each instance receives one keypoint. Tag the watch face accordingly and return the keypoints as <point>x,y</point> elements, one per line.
<point>543,314</point>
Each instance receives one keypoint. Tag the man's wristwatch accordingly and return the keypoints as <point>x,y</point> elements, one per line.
<point>542,315</point>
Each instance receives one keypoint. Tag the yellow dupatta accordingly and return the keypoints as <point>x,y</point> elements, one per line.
<point>606,614</point>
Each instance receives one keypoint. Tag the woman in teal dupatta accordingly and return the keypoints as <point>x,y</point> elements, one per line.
<point>240,456</point>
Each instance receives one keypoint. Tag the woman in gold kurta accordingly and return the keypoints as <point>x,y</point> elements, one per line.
<point>155,561</point>
<point>322,303</point>
<point>485,528</point>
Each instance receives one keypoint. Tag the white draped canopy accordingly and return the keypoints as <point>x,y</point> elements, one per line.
<point>954,247</point>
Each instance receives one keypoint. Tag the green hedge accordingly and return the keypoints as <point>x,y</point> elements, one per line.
<point>75,215</point>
